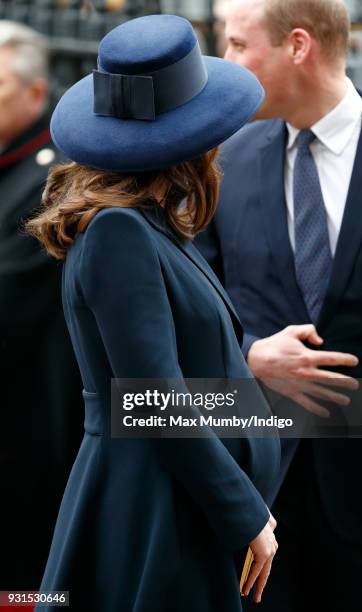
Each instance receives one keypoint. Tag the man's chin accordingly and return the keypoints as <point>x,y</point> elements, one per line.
<point>264,112</point>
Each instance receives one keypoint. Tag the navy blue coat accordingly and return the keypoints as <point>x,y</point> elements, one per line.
<point>248,246</point>
<point>146,525</point>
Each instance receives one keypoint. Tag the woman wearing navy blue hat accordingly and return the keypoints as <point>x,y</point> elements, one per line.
<point>151,525</point>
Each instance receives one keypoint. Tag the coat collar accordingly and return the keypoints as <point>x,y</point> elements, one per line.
<point>157,219</point>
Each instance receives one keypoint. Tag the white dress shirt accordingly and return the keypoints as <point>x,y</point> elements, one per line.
<point>334,152</point>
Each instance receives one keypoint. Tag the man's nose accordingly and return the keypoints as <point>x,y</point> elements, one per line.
<point>229,54</point>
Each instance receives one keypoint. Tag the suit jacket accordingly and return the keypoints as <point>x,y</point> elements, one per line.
<point>248,246</point>
<point>41,398</point>
<point>153,525</point>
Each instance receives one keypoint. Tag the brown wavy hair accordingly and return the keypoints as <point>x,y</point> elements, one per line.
<point>74,194</point>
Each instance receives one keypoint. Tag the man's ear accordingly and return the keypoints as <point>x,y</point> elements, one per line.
<point>39,91</point>
<point>299,45</point>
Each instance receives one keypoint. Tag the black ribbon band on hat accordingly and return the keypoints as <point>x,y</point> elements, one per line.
<point>145,96</point>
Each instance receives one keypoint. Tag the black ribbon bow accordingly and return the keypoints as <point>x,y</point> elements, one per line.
<point>147,95</point>
<point>124,96</point>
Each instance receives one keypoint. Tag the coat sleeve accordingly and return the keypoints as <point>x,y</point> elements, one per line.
<point>248,340</point>
<point>122,283</point>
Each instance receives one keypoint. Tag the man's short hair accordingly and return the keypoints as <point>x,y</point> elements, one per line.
<point>30,51</point>
<point>326,20</point>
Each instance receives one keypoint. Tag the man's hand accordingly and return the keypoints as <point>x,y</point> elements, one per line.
<point>263,547</point>
<point>287,366</point>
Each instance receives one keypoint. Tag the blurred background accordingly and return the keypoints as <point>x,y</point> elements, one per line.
<point>74,27</point>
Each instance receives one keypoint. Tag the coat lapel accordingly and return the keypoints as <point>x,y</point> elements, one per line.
<point>272,194</point>
<point>157,220</point>
<point>349,241</point>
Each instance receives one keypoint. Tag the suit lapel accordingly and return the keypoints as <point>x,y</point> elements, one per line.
<point>156,219</point>
<point>349,241</point>
<point>272,193</point>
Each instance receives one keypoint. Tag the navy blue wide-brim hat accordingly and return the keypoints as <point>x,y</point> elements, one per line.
<point>154,100</point>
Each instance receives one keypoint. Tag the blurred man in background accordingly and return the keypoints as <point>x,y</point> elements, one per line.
<point>286,241</point>
<point>41,406</point>
<point>220,9</point>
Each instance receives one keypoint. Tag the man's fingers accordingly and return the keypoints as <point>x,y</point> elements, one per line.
<point>332,358</point>
<point>325,393</point>
<point>306,332</point>
<point>262,580</point>
<point>311,406</point>
<point>332,379</point>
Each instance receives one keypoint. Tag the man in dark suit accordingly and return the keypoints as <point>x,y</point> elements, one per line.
<point>41,404</point>
<point>286,241</point>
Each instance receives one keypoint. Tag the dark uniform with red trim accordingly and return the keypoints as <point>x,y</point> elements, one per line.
<point>41,406</point>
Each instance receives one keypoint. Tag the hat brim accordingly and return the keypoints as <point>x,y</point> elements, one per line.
<point>231,96</point>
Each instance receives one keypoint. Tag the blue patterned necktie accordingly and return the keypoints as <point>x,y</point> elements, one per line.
<point>313,259</point>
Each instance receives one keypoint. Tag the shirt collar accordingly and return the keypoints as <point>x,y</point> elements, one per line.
<point>335,129</point>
